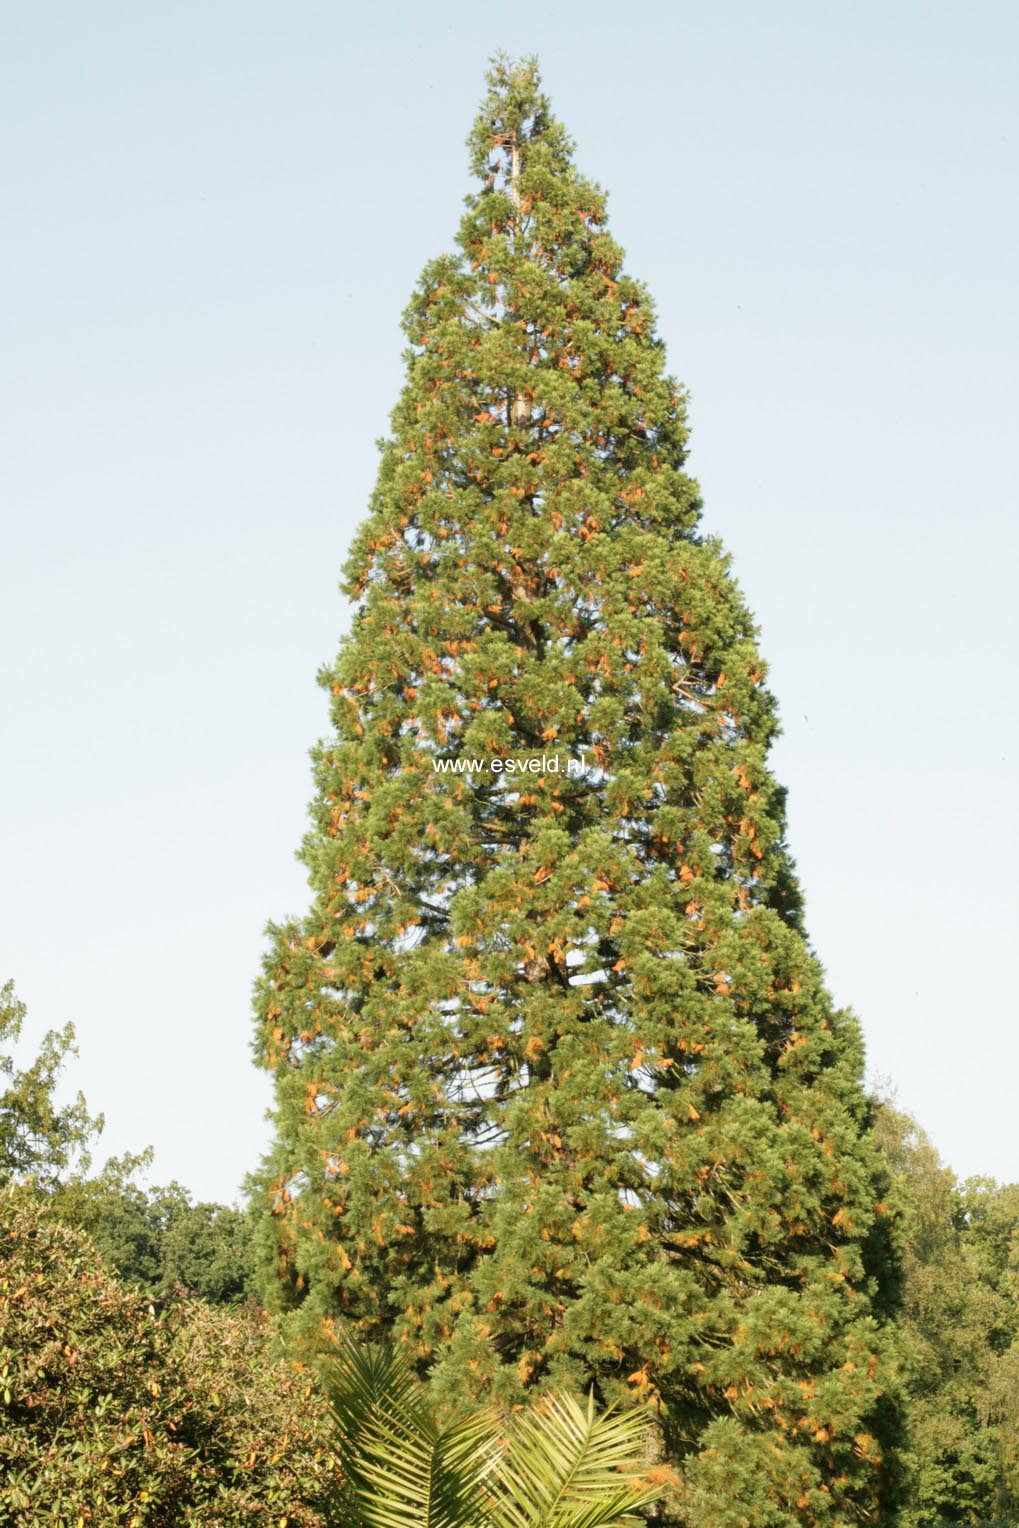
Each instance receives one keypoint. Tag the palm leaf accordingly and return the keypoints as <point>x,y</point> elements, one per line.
<point>401,1467</point>
<point>558,1465</point>
<point>359,1379</point>
<point>427,1478</point>
<point>563,1467</point>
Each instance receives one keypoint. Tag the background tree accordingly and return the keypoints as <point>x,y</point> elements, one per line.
<point>561,1095</point>
<point>158,1239</point>
<point>960,1322</point>
<point>39,1138</point>
<point>155,1238</point>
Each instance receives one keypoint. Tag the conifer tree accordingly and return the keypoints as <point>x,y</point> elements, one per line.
<point>561,1096</point>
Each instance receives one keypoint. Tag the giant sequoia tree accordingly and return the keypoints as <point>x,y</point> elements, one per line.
<point>560,1093</point>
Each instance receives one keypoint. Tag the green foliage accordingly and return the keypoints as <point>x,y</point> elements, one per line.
<point>113,1414</point>
<point>566,1467</point>
<point>555,1465</point>
<point>960,1323</point>
<point>561,1095</point>
<point>38,1138</point>
<point>158,1239</point>
<point>154,1238</point>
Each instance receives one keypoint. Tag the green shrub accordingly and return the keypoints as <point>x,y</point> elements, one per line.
<point>116,1415</point>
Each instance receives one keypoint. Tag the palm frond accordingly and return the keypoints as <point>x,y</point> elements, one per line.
<point>564,1467</point>
<point>359,1379</point>
<point>401,1467</point>
<point>418,1479</point>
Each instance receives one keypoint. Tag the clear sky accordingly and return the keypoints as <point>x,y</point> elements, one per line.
<point>213,215</point>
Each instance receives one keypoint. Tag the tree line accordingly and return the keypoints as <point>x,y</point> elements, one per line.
<point>156,1301</point>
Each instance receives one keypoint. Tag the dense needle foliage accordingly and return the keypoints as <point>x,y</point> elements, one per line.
<point>561,1095</point>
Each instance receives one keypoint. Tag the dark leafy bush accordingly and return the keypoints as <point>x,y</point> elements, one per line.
<point>114,1414</point>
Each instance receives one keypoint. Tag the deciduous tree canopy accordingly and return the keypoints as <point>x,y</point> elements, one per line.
<point>960,1326</point>
<point>39,1138</point>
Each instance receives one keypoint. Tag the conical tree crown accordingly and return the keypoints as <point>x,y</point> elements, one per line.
<point>561,1094</point>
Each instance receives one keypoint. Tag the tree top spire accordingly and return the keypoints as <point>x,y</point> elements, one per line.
<point>514,113</point>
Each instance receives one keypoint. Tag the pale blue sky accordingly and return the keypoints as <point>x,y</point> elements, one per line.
<point>213,215</point>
